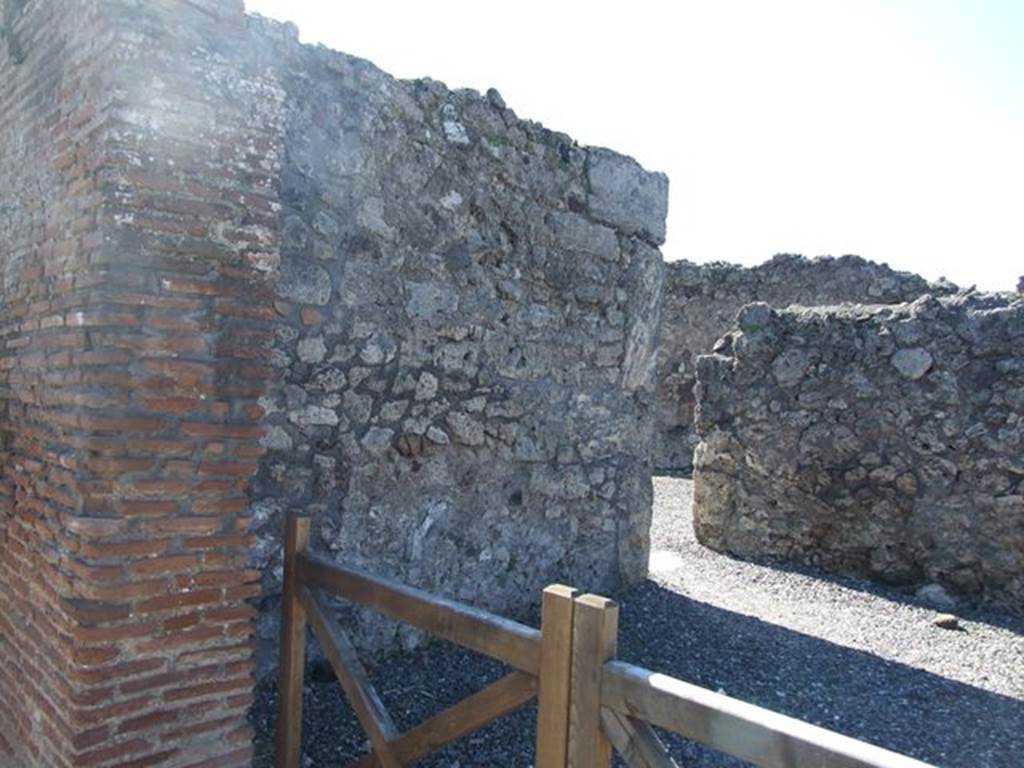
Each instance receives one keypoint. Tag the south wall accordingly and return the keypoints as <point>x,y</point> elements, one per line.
<point>465,342</point>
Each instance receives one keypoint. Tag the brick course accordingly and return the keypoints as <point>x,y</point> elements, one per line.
<point>142,148</point>
<point>139,155</point>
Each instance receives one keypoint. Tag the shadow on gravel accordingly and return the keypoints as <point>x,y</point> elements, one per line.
<point>413,685</point>
<point>855,693</point>
<point>1006,617</point>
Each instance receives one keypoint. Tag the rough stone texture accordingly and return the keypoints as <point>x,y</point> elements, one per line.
<point>139,158</point>
<point>701,302</point>
<point>882,441</point>
<point>840,653</point>
<point>435,321</point>
<point>467,317</point>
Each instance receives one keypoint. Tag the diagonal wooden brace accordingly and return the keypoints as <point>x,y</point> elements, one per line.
<point>635,740</point>
<point>506,695</point>
<point>353,678</point>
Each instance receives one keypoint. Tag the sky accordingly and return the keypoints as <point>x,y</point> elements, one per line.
<point>890,129</point>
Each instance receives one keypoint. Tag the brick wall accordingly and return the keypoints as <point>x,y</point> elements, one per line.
<point>49,102</point>
<point>138,233</point>
<point>142,334</point>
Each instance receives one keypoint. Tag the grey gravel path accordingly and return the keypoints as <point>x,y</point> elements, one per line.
<point>863,660</point>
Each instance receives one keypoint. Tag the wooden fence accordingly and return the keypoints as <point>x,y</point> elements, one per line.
<point>588,702</point>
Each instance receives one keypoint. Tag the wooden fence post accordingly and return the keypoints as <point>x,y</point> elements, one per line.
<point>554,677</point>
<point>595,628</point>
<point>293,649</point>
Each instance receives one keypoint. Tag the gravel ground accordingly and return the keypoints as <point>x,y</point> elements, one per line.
<point>845,654</point>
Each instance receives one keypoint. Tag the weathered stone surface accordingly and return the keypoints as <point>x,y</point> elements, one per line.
<point>480,368</point>
<point>312,350</point>
<point>626,196</point>
<point>575,232</point>
<point>701,302</point>
<point>277,438</point>
<point>304,283</point>
<point>912,363</point>
<point>825,440</point>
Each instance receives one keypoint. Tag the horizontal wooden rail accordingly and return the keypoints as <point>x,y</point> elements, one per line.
<point>503,639</point>
<point>743,730</point>
<point>587,704</point>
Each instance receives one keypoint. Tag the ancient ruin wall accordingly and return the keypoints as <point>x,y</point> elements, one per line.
<point>138,171</point>
<point>462,340</point>
<point>47,231</point>
<point>701,302</point>
<point>882,441</point>
<point>465,338</point>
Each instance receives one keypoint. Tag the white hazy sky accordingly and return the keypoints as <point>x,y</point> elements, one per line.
<point>894,130</point>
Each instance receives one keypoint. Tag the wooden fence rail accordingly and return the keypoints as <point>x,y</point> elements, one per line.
<point>589,704</point>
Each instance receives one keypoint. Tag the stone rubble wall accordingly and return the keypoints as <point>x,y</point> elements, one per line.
<point>465,341</point>
<point>701,302</point>
<point>242,276</point>
<point>880,441</point>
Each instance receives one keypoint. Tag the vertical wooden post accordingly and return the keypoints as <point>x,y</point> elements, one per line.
<point>555,677</point>
<point>595,629</point>
<point>293,649</point>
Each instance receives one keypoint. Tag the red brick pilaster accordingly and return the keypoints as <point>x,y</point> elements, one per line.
<point>136,333</point>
